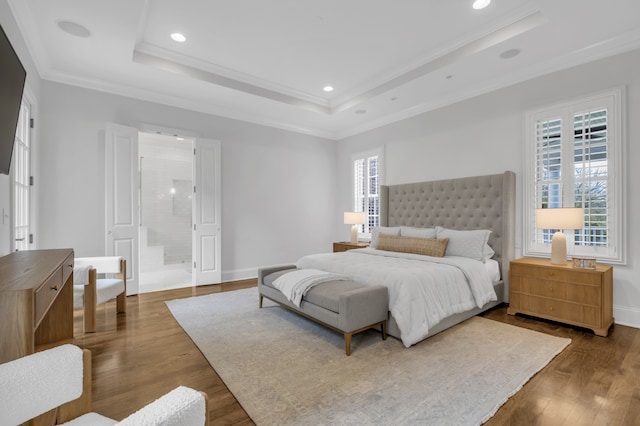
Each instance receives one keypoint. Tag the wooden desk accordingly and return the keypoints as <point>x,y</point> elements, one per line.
<point>36,300</point>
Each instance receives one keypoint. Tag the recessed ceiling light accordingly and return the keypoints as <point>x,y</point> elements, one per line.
<point>178,37</point>
<point>328,88</point>
<point>178,138</point>
<point>74,28</point>
<point>481,4</point>
<point>508,54</point>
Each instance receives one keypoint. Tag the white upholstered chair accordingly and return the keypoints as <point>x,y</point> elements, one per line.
<point>93,287</point>
<point>54,387</point>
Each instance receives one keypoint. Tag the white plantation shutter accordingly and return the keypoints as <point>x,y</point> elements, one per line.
<point>548,172</point>
<point>367,177</point>
<point>592,176</point>
<point>574,159</point>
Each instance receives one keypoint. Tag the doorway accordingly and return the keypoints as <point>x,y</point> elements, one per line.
<point>165,213</point>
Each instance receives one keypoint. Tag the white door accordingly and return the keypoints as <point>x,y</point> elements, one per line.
<point>207,268</point>
<point>122,183</point>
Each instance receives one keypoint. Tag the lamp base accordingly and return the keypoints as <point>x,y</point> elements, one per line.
<point>559,249</point>
<point>354,234</point>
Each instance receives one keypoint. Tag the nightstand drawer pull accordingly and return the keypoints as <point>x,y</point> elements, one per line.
<point>551,308</point>
<point>551,290</point>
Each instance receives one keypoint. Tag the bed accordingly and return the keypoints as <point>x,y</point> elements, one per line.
<point>463,204</point>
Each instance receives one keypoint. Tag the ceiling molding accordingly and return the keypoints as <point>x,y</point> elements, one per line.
<point>520,26</point>
<point>226,73</point>
<point>29,33</point>
<point>154,56</point>
<point>198,74</point>
<point>178,102</point>
<point>614,46</point>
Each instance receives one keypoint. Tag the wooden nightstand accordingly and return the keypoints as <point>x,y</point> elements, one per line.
<point>582,297</point>
<point>346,245</point>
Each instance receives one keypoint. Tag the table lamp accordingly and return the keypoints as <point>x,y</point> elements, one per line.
<point>354,219</point>
<point>559,218</point>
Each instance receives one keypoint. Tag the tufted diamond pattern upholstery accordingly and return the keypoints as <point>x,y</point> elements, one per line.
<point>480,202</point>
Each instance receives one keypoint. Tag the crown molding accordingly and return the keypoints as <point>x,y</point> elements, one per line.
<point>183,103</point>
<point>611,47</point>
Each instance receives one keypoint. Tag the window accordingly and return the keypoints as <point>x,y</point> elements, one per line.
<point>574,158</point>
<point>21,172</point>
<point>367,178</point>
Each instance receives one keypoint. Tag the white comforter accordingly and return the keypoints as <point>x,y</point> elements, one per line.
<point>423,290</point>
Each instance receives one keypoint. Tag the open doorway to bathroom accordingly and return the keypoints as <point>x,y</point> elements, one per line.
<point>165,197</point>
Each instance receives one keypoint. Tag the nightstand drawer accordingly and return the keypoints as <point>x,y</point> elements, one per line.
<point>556,309</point>
<point>587,294</point>
<point>557,274</point>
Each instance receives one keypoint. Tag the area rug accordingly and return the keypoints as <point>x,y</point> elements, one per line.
<point>286,370</point>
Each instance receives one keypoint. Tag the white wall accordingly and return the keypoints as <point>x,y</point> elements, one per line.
<point>278,187</point>
<point>33,86</point>
<point>485,135</point>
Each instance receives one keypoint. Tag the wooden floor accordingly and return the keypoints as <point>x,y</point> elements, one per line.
<point>140,355</point>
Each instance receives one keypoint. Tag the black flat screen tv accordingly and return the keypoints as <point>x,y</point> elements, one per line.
<point>12,78</point>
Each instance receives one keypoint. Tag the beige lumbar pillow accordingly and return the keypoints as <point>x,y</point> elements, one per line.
<point>424,246</point>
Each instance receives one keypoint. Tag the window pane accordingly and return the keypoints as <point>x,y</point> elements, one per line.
<point>367,190</point>
<point>591,173</point>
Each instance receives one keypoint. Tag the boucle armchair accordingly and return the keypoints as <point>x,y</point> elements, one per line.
<point>54,387</point>
<point>92,286</point>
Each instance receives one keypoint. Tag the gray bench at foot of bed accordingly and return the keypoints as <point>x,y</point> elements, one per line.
<point>344,306</point>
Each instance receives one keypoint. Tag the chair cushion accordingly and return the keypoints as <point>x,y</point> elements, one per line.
<point>78,296</point>
<point>37,383</point>
<point>91,419</point>
<point>108,288</point>
<point>102,264</point>
<point>182,406</point>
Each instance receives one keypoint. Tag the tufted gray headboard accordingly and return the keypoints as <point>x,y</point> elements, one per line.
<point>479,202</point>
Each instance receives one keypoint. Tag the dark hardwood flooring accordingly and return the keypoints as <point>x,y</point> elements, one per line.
<point>140,355</point>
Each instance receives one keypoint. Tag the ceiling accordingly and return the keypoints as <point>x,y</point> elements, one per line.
<point>267,61</point>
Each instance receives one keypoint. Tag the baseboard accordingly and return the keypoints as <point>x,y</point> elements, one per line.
<point>239,274</point>
<point>625,315</point>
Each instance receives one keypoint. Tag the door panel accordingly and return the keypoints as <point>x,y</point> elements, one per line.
<point>206,213</point>
<point>122,183</point>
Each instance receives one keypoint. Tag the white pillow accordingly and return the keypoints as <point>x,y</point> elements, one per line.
<point>408,231</point>
<point>471,244</point>
<point>395,230</point>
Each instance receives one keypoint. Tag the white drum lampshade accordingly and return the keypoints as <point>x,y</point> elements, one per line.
<point>559,218</point>
<point>354,219</point>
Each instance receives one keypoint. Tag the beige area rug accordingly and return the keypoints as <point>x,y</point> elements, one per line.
<point>287,370</point>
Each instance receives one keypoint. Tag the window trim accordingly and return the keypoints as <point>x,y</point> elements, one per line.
<point>615,100</point>
<point>366,236</point>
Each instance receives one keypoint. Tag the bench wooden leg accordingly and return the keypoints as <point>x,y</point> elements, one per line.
<point>384,330</point>
<point>347,343</point>
<point>260,301</point>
